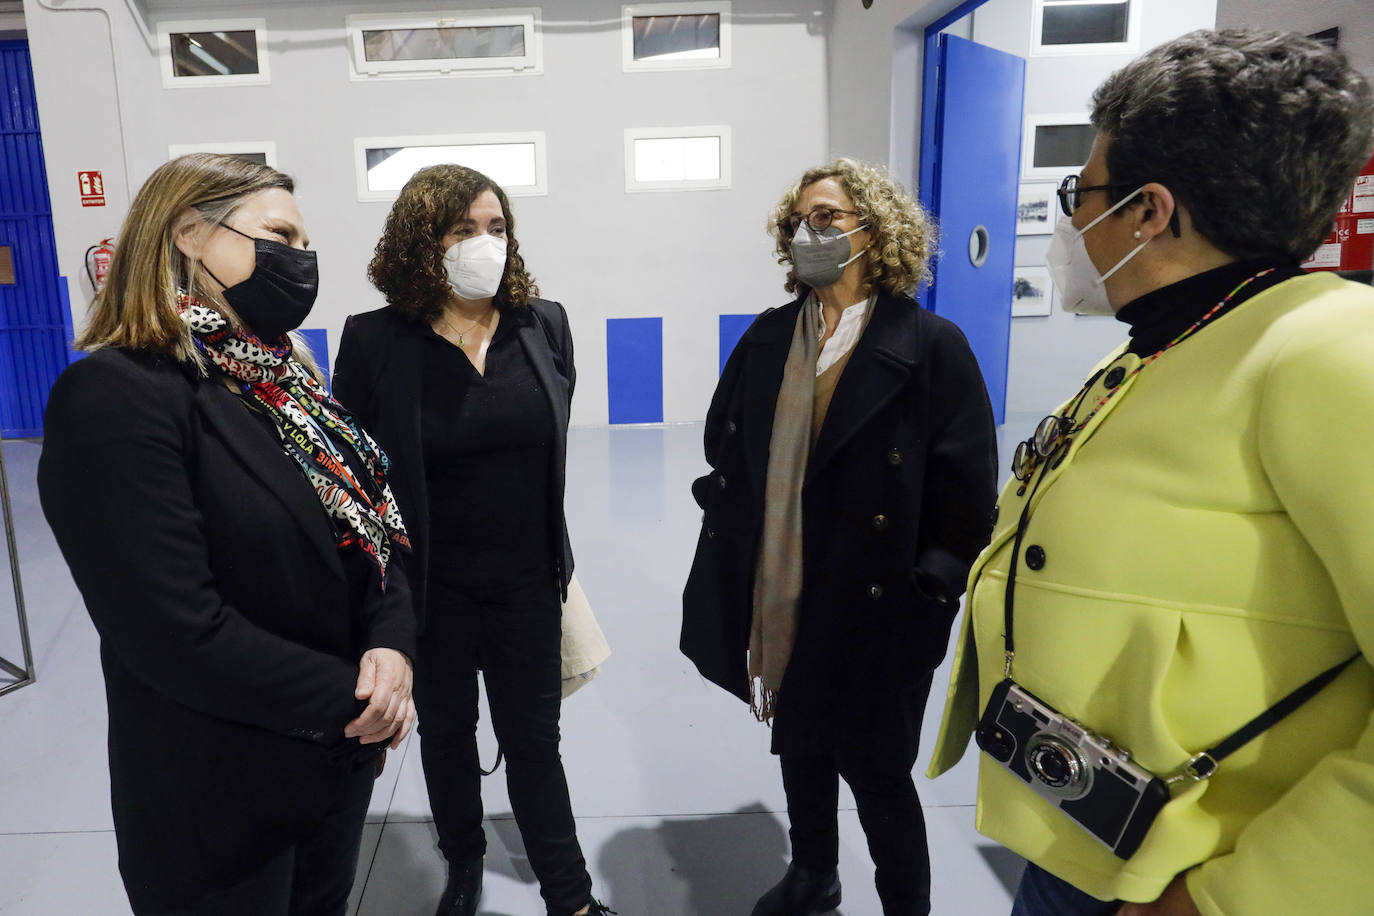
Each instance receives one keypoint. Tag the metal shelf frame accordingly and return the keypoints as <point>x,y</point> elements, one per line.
<point>16,675</point>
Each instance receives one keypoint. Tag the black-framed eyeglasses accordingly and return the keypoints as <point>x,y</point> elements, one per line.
<point>1071,198</point>
<point>819,219</point>
<point>1071,193</point>
<point>1049,435</point>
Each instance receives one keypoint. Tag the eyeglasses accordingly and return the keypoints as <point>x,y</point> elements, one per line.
<point>1052,433</point>
<point>819,219</point>
<point>1071,195</point>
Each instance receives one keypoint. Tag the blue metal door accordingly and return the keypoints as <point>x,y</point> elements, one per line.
<point>33,335</point>
<point>970,185</point>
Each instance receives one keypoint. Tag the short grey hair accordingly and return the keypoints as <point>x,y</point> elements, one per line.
<point>1258,134</point>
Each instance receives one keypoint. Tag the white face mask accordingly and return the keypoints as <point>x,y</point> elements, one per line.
<point>475,266</point>
<point>1080,286</point>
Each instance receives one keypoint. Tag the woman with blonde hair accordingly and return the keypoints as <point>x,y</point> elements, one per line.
<point>852,452</point>
<point>232,532</point>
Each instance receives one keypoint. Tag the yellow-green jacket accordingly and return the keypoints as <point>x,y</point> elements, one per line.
<point>1208,547</point>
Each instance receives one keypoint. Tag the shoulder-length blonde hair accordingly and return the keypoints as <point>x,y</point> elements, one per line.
<point>903,235</point>
<point>137,308</point>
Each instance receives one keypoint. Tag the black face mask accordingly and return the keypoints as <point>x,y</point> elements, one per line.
<point>279,293</point>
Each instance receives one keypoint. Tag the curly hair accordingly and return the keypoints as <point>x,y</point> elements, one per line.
<point>408,265</point>
<point>903,235</point>
<point>1258,134</point>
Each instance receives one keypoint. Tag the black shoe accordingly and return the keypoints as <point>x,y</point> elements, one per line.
<point>598,908</point>
<point>463,890</point>
<point>801,893</point>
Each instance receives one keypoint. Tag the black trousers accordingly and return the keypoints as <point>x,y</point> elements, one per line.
<point>312,878</point>
<point>877,766</point>
<point>513,633</point>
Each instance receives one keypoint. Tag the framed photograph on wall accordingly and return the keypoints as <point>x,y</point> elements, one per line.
<point>1036,208</point>
<point>1031,292</point>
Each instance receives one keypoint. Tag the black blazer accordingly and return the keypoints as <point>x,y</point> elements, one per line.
<point>896,505</point>
<point>230,635</point>
<point>377,375</point>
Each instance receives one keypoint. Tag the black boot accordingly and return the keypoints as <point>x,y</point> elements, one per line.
<point>463,890</point>
<point>801,893</point>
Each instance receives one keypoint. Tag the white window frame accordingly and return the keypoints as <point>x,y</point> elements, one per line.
<point>267,147</point>
<point>628,13</point>
<point>1130,46</point>
<point>672,133</point>
<point>530,18</point>
<point>1050,172</point>
<point>539,189</point>
<point>165,31</point>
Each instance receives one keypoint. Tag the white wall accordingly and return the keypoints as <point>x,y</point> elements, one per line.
<point>1355,18</point>
<point>685,256</point>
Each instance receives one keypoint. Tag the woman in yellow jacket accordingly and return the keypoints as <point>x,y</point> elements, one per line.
<point>1186,542</point>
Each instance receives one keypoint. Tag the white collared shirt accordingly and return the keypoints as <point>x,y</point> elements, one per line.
<point>846,333</point>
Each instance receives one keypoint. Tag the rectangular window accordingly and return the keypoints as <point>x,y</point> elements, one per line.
<point>460,43</point>
<point>1085,26</point>
<point>263,152</point>
<point>213,53</point>
<point>677,158</point>
<point>516,162</point>
<point>675,36</point>
<point>1056,145</point>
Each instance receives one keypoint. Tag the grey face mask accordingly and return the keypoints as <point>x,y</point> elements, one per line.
<point>821,257</point>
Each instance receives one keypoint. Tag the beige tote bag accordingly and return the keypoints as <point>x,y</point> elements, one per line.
<point>584,645</point>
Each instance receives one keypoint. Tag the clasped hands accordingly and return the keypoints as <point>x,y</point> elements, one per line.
<point>385,680</point>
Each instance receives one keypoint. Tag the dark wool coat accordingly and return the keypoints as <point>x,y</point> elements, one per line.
<point>896,504</point>
<point>230,628</point>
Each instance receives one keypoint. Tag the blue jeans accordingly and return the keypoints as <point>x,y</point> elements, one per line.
<point>1042,894</point>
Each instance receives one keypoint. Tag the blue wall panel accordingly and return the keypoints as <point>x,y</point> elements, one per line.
<point>634,369</point>
<point>34,321</point>
<point>732,328</point>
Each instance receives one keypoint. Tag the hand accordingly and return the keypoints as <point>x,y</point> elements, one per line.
<point>1175,901</point>
<point>385,680</point>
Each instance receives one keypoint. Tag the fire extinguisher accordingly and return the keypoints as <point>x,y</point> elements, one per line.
<point>98,260</point>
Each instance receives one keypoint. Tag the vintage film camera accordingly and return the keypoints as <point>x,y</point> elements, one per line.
<point>1083,774</point>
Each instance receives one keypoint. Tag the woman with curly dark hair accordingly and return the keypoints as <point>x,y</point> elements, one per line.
<point>466,379</point>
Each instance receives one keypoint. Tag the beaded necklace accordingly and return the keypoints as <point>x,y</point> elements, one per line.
<point>1196,326</point>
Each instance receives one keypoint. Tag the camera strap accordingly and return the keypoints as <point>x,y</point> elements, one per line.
<point>1201,765</point>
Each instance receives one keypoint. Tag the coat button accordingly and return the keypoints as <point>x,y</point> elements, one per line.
<point>710,533</point>
<point>875,591</point>
<point>730,427</point>
<point>1115,376</point>
<point>1035,557</point>
<point>880,523</point>
<point>720,481</point>
<point>894,457</point>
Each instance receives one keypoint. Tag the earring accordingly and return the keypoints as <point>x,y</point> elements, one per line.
<point>1137,233</point>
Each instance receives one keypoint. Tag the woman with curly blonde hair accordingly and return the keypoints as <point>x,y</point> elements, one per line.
<point>466,379</point>
<point>853,467</point>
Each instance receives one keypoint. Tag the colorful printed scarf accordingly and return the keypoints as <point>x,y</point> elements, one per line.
<point>313,428</point>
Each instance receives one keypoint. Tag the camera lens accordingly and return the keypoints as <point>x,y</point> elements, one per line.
<point>1051,766</point>
<point>1057,766</point>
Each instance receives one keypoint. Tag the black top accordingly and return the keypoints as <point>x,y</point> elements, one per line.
<point>1157,318</point>
<point>364,576</point>
<point>378,374</point>
<point>487,442</point>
